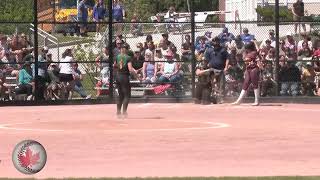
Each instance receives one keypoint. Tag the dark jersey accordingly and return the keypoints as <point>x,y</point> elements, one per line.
<point>122,63</point>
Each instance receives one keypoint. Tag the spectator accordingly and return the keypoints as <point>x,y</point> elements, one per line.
<point>266,48</point>
<point>290,47</point>
<point>142,48</point>
<point>119,14</point>
<point>25,84</point>
<point>208,36</point>
<point>116,50</point>
<point>170,17</point>
<point>163,46</point>
<point>2,83</point>
<point>267,83</point>
<point>290,78</point>
<point>83,17</point>
<point>272,39</point>
<point>186,49</point>
<point>149,69</point>
<point>151,46</point>
<point>305,52</point>
<point>234,74</point>
<point>54,87</point>
<point>103,62</point>
<point>186,53</point>
<point>66,73</point>
<point>298,14</point>
<point>165,38</point>
<point>137,61</point>
<point>99,13</point>
<point>282,48</point>
<point>201,47</point>
<point>3,46</point>
<point>136,28</point>
<point>225,37</point>
<point>238,45</point>
<point>246,37</point>
<point>26,42</point>
<point>306,39</point>
<point>308,80</point>
<point>159,59</point>
<point>78,77</point>
<point>170,69</point>
<point>148,39</point>
<point>271,55</point>
<point>17,49</point>
<point>42,72</point>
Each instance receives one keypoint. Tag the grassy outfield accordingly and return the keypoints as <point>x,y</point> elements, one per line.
<point>192,178</point>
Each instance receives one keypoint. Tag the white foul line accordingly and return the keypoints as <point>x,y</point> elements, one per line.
<point>211,125</point>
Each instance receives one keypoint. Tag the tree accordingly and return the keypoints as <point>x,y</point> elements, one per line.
<point>14,11</point>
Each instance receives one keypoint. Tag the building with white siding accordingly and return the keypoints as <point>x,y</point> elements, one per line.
<point>247,8</point>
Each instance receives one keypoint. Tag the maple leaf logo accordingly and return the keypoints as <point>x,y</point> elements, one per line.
<point>29,159</point>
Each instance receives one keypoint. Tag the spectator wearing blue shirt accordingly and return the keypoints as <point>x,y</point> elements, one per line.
<point>246,37</point>
<point>118,13</point>
<point>225,36</point>
<point>99,13</point>
<point>83,17</point>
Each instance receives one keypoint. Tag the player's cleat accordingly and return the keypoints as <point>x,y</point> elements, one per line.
<point>256,97</point>
<point>125,115</point>
<point>239,100</point>
<point>119,116</point>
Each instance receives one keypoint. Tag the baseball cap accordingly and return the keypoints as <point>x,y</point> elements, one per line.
<point>289,33</point>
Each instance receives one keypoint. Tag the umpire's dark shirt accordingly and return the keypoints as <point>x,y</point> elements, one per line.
<point>217,57</point>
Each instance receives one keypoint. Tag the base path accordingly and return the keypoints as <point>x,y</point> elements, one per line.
<point>166,140</point>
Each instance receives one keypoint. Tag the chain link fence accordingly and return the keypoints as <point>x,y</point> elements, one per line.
<point>151,37</point>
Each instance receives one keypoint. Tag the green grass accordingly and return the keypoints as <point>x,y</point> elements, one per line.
<point>195,178</point>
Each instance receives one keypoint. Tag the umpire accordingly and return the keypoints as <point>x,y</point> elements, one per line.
<point>218,59</point>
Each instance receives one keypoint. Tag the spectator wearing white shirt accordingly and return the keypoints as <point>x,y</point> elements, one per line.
<point>306,39</point>
<point>66,72</point>
<point>271,37</point>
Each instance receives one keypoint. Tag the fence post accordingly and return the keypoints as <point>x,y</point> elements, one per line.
<point>110,48</point>
<point>36,65</point>
<point>276,70</point>
<point>193,33</point>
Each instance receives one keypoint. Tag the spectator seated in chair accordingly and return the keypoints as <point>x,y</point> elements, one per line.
<point>78,87</point>
<point>54,87</point>
<point>137,62</point>
<point>25,85</point>
<point>290,79</point>
<point>149,69</point>
<point>267,83</point>
<point>103,63</point>
<point>170,69</point>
